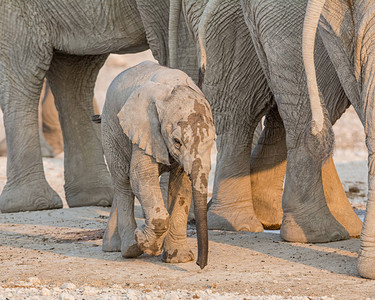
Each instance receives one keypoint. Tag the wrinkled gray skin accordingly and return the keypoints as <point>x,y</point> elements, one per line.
<point>67,42</point>
<point>155,120</point>
<point>307,217</point>
<point>240,90</point>
<point>347,29</point>
<point>50,134</point>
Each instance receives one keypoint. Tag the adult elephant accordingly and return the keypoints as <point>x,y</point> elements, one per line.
<point>347,29</point>
<point>239,84</point>
<point>67,42</point>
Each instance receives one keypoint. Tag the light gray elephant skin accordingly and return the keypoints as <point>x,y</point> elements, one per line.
<point>51,139</point>
<point>347,29</point>
<point>155,120</point>
<point>244,76</point>
<point>67,42</point>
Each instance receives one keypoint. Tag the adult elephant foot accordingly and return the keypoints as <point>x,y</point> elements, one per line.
<point>312,227</point>
<point>35,195</point>
<point>268,166</point>
<point>366,263</point>
<point>238,217</point>
<point>307,218</point>
<point>95,191</point>
<point>150,239</point>
<point>337,201</point>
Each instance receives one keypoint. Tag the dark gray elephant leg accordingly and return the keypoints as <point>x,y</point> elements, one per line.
<point>231,207</point>
<point>268,167</point>
<point>306,214</point>
<point>239,96</point>
<point>72,80</point>
<point>176,249</point>
<point>23,63</point>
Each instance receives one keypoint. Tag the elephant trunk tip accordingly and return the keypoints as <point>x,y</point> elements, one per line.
<point>319,143</point>
<point>202,261</point>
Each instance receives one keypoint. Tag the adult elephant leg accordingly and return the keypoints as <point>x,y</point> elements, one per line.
<point>268,167</point>
<point>231,207</point>
<point>21,82</point>
<point>50,121</point>
<point>72,80</point>
<point>176,249</point>
<point>337,201</point>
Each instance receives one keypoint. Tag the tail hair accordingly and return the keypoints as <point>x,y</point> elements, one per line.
<point>96,119</point>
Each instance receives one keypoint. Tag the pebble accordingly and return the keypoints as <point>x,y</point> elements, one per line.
<point>33,280</point>
<point>68,286</point>
<point>46,292</point>
<point>65,296</point>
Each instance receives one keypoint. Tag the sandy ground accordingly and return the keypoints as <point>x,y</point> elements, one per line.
<point>57,253</point>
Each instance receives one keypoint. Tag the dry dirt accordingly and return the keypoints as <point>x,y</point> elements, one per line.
<point>57,253</point>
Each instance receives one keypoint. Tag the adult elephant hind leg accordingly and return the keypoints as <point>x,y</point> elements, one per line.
<point>231,206</point>
<point>176,249</point>
<point>20,83</point>
<point>268,167</point>
<point>72,80</point>
<point>337,201</point>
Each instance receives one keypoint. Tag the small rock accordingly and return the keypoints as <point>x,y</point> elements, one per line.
<point>33,280</point>
<point>68,286</point>
<point>45,292</point>
<point>65,296</point>
<point>288,291</point>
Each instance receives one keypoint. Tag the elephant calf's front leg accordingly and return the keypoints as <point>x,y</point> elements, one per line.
<point>176,249</point>
<point>144,179</point>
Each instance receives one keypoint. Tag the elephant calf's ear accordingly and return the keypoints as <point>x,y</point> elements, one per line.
<point>140,122</point>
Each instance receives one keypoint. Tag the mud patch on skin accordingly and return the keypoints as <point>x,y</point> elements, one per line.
<point>160,226</point>
<point>199,122</point>
<point>181,201</point>
<point>168,257</point>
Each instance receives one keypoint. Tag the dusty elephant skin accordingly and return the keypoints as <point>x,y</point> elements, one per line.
<point>154,120</point>
<point>347,29</point>
<point>257,77</point>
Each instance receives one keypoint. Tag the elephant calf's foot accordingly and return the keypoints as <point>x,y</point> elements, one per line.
<point>90,193</point>
<point>35,195</point>
<point>366,263</point>
<point>129,247</point>
<point>151,239</point>
<point>318,227</point>
<point>233,219</point>
<point>177,255</point>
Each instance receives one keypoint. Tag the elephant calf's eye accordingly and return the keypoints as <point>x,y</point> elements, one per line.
<point>177,143</point>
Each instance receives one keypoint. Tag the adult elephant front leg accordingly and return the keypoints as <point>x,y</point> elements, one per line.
<point>231,207</point>
<point>72,80</point>
<point>20,85</point>
<point>268,167</point>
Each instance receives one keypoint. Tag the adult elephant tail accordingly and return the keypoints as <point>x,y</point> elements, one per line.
<point>174,19</point>
<point>319,138</point>
<point>202,29</point>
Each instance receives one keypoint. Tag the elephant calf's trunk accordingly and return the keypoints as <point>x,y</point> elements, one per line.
<point>200,211</point>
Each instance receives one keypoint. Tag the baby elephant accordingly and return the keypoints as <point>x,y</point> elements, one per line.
<point>155,120</point>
